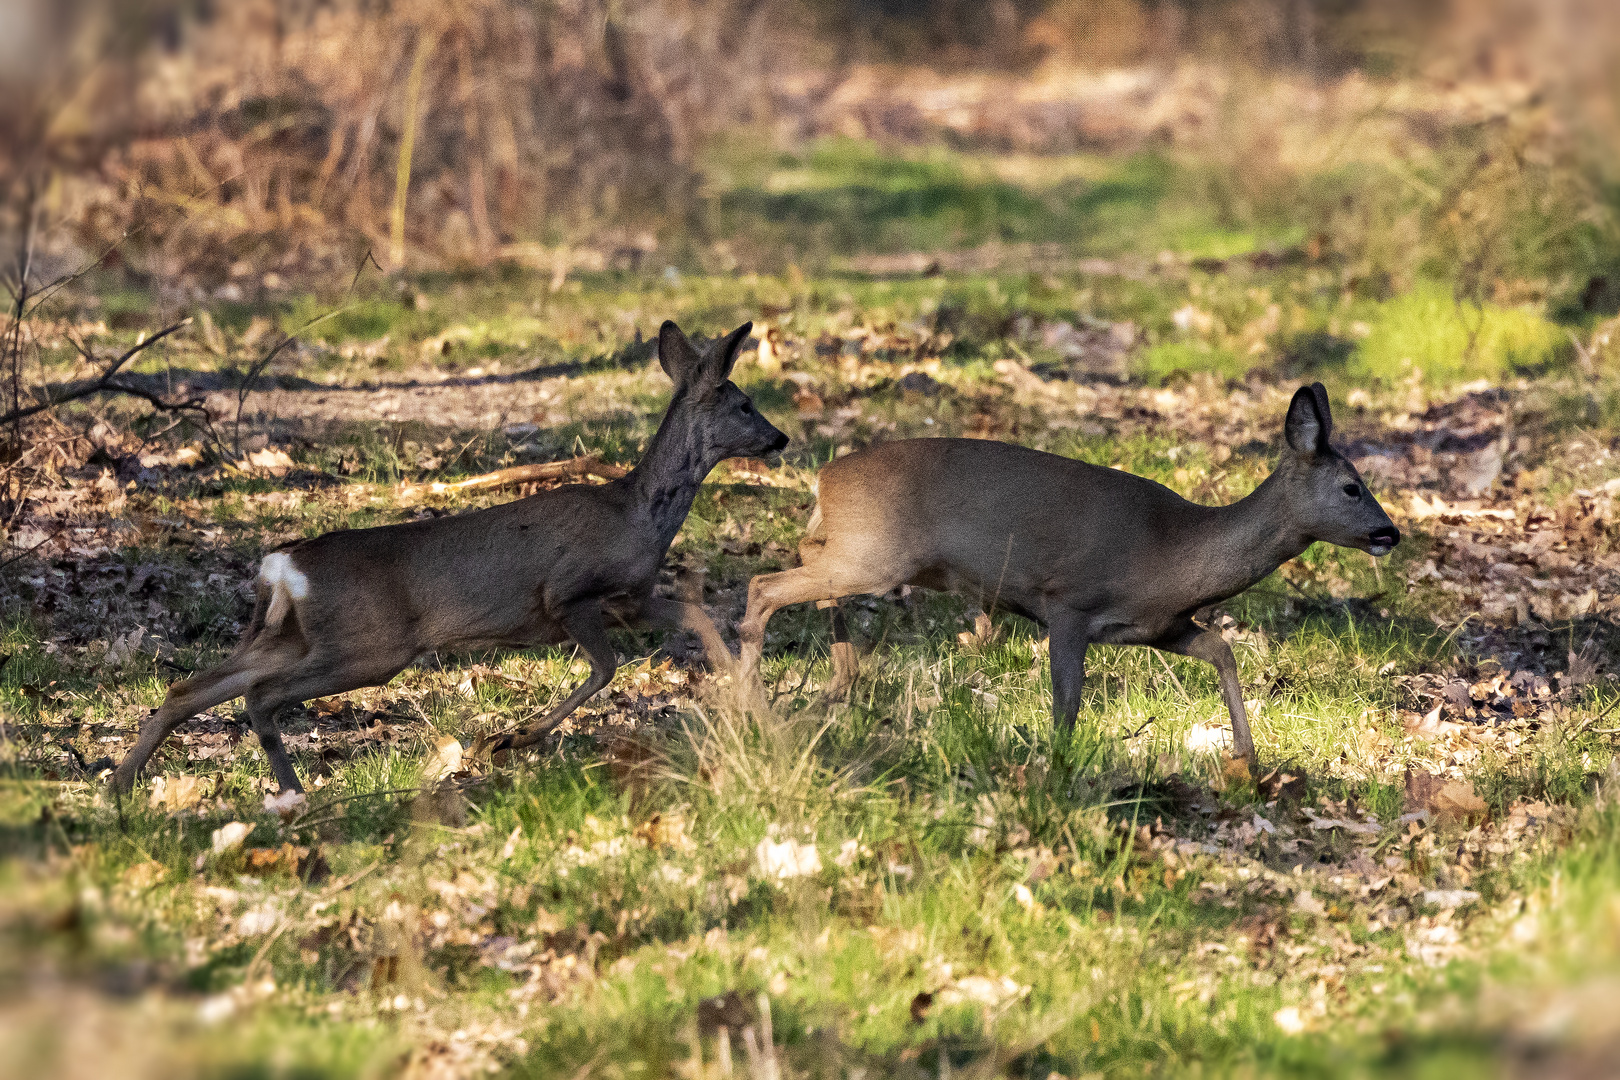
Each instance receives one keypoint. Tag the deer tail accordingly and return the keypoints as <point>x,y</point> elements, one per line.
<point>279,588</point>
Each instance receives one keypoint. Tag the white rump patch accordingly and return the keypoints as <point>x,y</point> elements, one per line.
<point>287,584</point>
<point>278,569</point>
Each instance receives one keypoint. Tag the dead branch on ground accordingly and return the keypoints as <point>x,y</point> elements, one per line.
<point>588,465</point>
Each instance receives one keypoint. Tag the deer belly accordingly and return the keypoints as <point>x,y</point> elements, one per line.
<point>527,630</point>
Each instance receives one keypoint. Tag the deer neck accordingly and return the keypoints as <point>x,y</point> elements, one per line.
<point>1245,541</point>
<point>667,478</point>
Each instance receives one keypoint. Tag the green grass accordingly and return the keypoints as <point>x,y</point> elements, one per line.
<point>843,196</point>
<point>555,921</point>
<point>1428,333</point>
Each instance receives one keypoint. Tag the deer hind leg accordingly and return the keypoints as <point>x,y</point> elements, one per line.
<point>262,715</point>
<point>185,700</point>
<point>769,593</point>
<point>313,677</point>
<point>846,661</point>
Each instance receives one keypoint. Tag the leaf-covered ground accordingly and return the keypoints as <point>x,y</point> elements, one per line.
<point>921,880</point>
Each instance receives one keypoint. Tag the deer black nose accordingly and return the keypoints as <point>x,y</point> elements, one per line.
<point>779,443</point>
<point>1385,538</point>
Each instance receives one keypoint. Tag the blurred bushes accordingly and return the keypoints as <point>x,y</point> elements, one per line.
<point>212,141</point>
<point>230,147</point>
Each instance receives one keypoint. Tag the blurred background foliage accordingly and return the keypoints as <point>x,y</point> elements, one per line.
<point>247,146</point>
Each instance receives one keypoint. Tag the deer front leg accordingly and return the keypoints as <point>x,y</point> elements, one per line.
<point>1193,640</point>
<point>659,613</point>
<point>1067,645</point>
<point>585,625</point>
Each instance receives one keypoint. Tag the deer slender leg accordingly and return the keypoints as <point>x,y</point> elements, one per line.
<point>769,593</point>
<point>584,624</point>
<point>185,700</point>
<point>845,660</point>
<point>663,614</point>
<point>312,678</point>
<point>1192,640</point>
<point>262,715</point>
<point>1067,647</point>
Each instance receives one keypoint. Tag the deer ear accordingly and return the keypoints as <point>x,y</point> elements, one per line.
<point>726,350</point>
<point>1319,392</point>
<point>1309,421</point>
<point>675,353</point>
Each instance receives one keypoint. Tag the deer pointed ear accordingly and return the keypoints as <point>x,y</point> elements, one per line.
<point>1309,421</point>
<point>1319,392</point>
<point>726,350</point>
<point>675,353</point>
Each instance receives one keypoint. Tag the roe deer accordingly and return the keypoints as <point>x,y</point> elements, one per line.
<point>352,609</point>
<point>1097,555</point>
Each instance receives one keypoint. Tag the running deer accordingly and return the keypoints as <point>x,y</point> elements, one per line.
<point>352,609</point>
<point>1096,555</point>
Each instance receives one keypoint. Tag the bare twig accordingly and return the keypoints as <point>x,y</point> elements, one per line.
<point>20,294</point>
<point>29,551</point>
<point>250,380</point>
<point>104,384</point>
<point>25,270</point>
<point>252,377</point>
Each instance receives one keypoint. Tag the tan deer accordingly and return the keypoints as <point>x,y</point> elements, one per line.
<point>1096,555</point>
<point>354,608</point>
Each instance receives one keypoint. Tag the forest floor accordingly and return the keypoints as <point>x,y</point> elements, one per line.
<point>923,880</point>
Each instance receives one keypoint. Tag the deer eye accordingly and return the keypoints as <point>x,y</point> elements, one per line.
<point>748,408</point>
<point>1353,490</point>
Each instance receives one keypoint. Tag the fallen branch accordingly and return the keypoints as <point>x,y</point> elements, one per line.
<point>590,464</point>
<point>105,383</point>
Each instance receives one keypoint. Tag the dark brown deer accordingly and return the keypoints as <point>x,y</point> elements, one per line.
<point>1096,555</point>
<point>354,608</point>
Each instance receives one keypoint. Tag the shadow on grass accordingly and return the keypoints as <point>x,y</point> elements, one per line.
<point>847,197</point>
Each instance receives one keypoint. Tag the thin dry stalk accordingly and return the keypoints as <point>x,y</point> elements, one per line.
<point>407,144</point>
<point>753,757</point>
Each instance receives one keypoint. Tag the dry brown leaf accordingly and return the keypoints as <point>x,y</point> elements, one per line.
<point>1277,784</point>
<point>1235,768</point>
<point>287,857</point>
<point>446,760</point>
<point>271,459</point>
<point>285,804</point>
<point>172,793</point>
<point>144,875</point>
<point>1449,801</point>
<point>1457,802</point>
<point>809,404</point>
